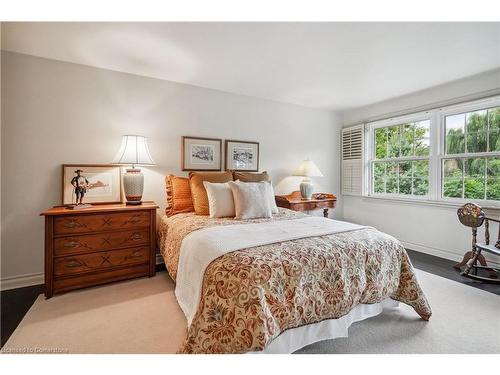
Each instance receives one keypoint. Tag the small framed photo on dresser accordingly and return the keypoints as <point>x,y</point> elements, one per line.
<point>242,156</point>
<point>201,154</point>
<point>90,183</point>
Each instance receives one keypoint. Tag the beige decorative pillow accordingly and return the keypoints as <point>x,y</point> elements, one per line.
<point>198,191</point>
<point>220,199</point>
<point>251,199</point>
<point>251,176</point>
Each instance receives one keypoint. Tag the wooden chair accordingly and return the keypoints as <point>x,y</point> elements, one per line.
<point>471,215</point>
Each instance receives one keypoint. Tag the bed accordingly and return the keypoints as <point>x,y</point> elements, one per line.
<point>275,285</point>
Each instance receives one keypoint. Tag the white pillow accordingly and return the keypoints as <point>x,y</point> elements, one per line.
<point>220,199</point>
<point>251,199</point>
<point>272,199</point>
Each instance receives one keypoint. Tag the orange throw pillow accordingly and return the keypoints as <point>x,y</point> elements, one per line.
<point>178,195</point>
<point>198,191</point>
<point>250,176</point>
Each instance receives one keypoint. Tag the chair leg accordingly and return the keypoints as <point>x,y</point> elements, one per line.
<point>467,256</point>
<point>472,262</point>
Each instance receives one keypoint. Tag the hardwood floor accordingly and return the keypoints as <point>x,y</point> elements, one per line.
<point>444,268</point>
<point>15,303</point>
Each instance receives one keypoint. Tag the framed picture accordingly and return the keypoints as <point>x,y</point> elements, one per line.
<point>201,154</point>
<point>242,156</point>
<point>99,183</point>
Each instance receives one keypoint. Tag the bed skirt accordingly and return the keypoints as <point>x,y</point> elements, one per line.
<point>294,339</point>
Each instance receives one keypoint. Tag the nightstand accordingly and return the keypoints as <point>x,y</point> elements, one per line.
<point>98,245</point>
<point>294,202</point>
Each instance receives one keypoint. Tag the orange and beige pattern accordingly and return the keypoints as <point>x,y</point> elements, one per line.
<point>250,296</point>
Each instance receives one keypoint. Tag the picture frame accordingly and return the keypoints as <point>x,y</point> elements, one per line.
<point>242,155</point>
<point>201,154</point>
<point>105,183</point>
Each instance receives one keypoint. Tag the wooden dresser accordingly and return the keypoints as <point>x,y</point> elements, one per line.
<point>97,245</point>
<point>294,202</point>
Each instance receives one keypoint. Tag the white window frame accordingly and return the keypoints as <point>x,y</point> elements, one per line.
<point>436,153</point>
<point>454,110</point>
<point>415,117</point>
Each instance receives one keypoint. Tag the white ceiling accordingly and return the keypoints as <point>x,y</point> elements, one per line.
<point>322,65</point>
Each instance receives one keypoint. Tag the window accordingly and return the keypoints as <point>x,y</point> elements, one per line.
<point>400,164</point>
<point>446,154</point>
<point>471,168</point>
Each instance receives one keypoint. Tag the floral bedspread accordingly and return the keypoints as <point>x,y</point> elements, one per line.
<point>250,296</point>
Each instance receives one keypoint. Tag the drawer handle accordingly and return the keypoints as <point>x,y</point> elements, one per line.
<point>71,224</point>
<point>73,264</point>
<point>72,244</point>
<point>135,254</point>
<point>136,236</point>
<point>135,220</point>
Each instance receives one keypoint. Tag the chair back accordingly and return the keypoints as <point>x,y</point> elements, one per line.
<point>471,215</point>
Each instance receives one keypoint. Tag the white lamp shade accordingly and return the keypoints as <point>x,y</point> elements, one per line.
<point>308,169</point>
<point>133,150</point>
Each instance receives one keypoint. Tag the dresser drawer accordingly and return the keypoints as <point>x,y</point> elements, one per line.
<point>100,261</point>
<point>90,279</point>
<point>98,242</point>
<point>103,222</point>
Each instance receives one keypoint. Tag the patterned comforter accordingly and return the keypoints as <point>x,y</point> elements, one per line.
<point>250,296</point>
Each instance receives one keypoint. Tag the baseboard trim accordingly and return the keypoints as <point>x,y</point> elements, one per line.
<point>21,281</point>
<point>441,253</point>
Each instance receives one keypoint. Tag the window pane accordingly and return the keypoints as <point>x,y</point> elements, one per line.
<point>494,118</point>
<point>476,141</point>
<point>453,179</point>
<point>405,185</point>
<point>476,121</point>
<point>493,178</point>
<point>452,168</point>
<point>474,188</point>
<point>379,169</point>
<point>392,185</point>
<point>493,167</point>
<point>420,186</point>
<point>379,185</point>
<point>407,139</point>
<point>381,143</point>
<point>393,141</point>
<point>453,188</point>
<point>405,169</point>
<point>493,188</point>
<point>494,140</point>
<point>392,170</point>
<point>455,130</point>
<point>474,167</point>
<point>422,136</point>
<point>421,169</point>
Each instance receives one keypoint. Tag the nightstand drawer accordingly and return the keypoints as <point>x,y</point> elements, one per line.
<point>98,242</point>
<point>97,223</point>
<point>100,261</point>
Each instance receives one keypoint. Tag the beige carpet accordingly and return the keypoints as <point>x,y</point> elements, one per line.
<point>142,316</point>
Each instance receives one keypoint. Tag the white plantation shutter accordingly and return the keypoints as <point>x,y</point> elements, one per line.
<point>352,160</point>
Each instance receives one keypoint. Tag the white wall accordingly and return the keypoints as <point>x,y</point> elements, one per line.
<point>431,229</point>
<point>55,113</point>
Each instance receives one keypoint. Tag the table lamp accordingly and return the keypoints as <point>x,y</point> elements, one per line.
<point>307,169</point>
<point>133,151</point>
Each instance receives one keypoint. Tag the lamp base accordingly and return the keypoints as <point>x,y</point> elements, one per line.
<point>133,203</point>
<point>306,189</point>
<point>133,185</point>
